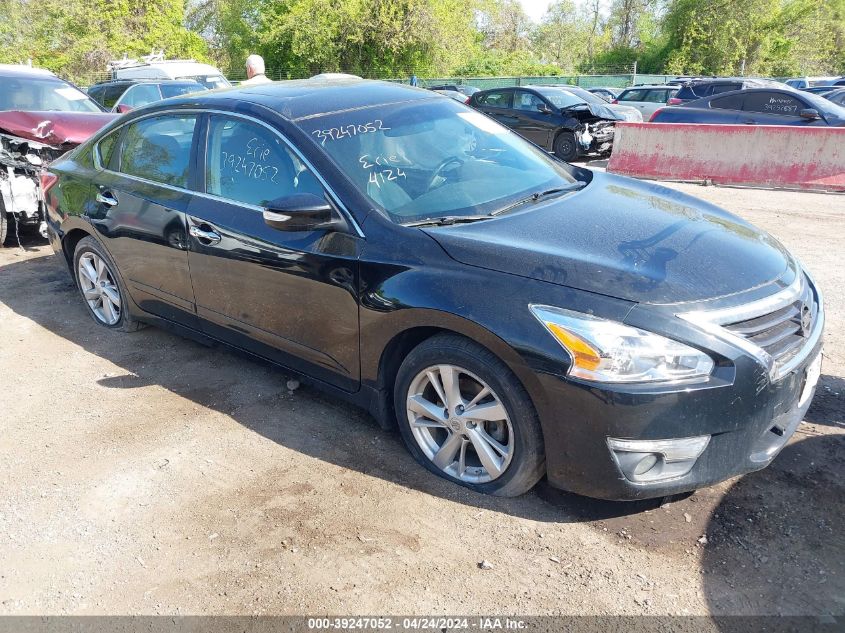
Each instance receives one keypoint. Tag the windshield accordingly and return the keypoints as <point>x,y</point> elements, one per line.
<point>434,158</point>
<point>29,94</point>
<point>210,81</point>
<point>170,90</point>
<point>563,98</point>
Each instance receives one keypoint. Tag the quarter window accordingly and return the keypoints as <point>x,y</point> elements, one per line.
<point>105,148</point>
<point>159,149</point>
<point>249,163</point>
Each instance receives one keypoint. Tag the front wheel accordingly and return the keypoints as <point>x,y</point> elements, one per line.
<point>464,416</point>
<point>566,147</point>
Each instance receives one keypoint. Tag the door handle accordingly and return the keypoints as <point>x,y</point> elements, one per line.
<point>749,121</point>
<point>207,237</point>
<point>104,197</point>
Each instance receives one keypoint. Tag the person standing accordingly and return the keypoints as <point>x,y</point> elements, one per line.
<point>413,81</point>
<point>255,71</point>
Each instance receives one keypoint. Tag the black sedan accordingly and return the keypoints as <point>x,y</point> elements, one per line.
<point>764,106</point>
<point>514,315</point>
<point>553,118</point>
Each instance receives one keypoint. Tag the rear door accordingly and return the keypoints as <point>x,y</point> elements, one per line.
<point>289,296</point>
<point>653,100</point>
<point>636,99</point>
<point>142,195</point>
<point>498,104</point>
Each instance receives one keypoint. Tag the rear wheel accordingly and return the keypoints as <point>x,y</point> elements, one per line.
<point>566,147</point>
<point>465,416</point>
<point>100,286</point>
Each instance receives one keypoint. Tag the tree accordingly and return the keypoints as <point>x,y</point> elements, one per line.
<point>76,38</point>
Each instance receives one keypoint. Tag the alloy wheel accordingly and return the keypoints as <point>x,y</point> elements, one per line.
<point>460,423</point>
<point>99,288</point>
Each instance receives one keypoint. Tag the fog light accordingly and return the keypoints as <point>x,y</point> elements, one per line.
<point>646,461</point>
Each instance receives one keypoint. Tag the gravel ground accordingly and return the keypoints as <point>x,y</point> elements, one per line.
<point>144,473</point>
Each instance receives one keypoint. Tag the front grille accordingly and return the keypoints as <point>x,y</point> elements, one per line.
<point>783,332</point>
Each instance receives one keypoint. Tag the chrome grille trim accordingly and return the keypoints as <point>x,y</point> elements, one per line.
<point>768,322</point>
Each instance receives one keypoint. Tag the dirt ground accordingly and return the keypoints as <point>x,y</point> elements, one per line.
<point>144,473</point>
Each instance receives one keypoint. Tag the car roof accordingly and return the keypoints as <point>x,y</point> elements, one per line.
<point>21,70</point>
<point>647,86</point>
<point>305,98</point>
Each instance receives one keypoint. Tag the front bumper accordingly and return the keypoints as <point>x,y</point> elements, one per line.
<point>748,423</point>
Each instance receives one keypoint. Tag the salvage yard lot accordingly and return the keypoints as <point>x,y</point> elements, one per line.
<point>145,473</point>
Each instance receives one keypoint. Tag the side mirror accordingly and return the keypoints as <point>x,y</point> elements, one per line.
<point>810,113</point>
<point>300,212</point>
<point>123,108</point>
<point>544,108</point>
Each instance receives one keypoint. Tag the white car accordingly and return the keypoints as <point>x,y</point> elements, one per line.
<point>647,99</point>
<point>156,68</point>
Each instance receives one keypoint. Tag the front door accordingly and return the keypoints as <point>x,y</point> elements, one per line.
<point>532,124</point>
<point>286,296</point>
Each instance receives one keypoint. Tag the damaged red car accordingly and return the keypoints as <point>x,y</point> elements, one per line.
<point>41,118</point>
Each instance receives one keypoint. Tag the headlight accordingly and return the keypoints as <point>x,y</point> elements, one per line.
<point>608,351</point>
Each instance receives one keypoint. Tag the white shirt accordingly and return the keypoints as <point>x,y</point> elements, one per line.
<point>257,79</point>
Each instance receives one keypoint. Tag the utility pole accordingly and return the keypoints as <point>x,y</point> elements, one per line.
<point>634,76</point>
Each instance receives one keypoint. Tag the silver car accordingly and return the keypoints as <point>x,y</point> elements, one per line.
<point>647,99</point>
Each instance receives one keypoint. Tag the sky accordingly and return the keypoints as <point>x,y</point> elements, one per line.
<point>535,8</point>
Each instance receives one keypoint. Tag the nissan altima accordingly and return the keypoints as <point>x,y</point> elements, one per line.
<point>515,316</point>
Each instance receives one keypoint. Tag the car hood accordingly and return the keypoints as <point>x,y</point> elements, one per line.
<point>599,111</point>
<point>59,129</point>
<point>623,238</point>
<point>626,113</point>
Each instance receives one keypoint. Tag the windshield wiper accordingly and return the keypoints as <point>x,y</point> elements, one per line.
<point>539,195</point>
<point>447,220</point>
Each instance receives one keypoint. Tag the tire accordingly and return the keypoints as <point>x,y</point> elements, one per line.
<point>566,147</point>
<point>5,223</point>
<point>102,287</point>
<point>506,415</point>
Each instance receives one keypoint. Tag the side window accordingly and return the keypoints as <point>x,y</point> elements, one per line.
<point>731,102</point>
<point>776,103</point>
<point>141,94</point>
<point>159,149</point>
<point>249,163</point>
<point>526,101</point>
<point>633,95</point>
<point>656,96</point>
<point>499,99</point>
